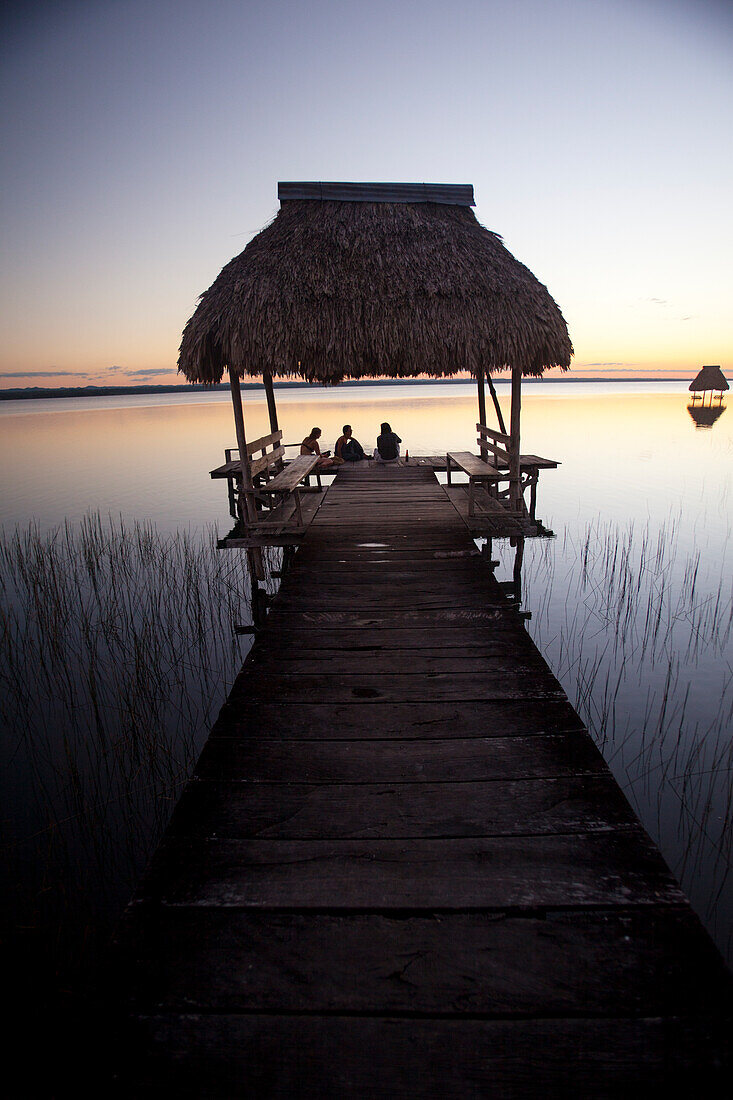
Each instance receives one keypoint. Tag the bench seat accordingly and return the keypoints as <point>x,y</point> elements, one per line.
<point>289,478</point>
<point>288,481</point>
<point>479,472</point>
<point>474,466</point>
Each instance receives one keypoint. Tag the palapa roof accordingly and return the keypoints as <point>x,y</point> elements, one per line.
<point>709,378</point>
<point>369,280</point>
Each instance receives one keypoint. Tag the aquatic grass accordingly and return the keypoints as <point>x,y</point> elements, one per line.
<point>117,650</point>
<point>638,630</point>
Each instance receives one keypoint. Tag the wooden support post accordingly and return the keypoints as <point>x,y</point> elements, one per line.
<point>497,406</point>
<point>270,394</point>
<point>515,495</point>
<point>534,478</point>
<point>482,411</point>
<point>298,512</point>
<point>246,501</point>
<point>517,572</point>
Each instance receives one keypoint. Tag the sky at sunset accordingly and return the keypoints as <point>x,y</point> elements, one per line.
<point>142,143</point>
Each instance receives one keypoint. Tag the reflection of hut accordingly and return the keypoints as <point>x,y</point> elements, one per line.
<point>374,280</point>
<point>710,378</point>
<point>705,415</point>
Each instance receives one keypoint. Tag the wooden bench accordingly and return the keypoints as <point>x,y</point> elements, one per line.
<point>498,444</point>
<point>270,455</point>
<point>489,471</point>
<point>479,472</point>
<point>289,481</point>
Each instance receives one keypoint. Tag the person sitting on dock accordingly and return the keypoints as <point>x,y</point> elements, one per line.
<point>347,448</point>
<point>388,445</point>
<point>310,446</point>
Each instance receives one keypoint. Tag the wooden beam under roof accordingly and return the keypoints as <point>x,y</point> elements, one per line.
<point>447,194</point>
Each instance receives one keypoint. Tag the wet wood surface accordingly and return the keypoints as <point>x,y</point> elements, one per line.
<point>402,867</point>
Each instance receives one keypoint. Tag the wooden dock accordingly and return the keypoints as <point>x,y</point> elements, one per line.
<point>402,868</point>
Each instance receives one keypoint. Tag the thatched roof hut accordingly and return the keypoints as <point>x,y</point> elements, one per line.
<point>369,280</point>
<point>709,378</point>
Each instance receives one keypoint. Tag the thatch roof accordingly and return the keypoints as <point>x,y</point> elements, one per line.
<point>709,378</point>
<point>384,282</point>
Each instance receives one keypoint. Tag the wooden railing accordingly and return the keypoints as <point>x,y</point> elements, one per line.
<point>504,450</point>
<point>490,440</point>
<point>267,458</point>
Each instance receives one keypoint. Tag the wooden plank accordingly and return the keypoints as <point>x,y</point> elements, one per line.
<point>298,810</point>
<point>396,687</point>
<point>283,619</point>
<point>406,597</point>
<point>536,462</point>
<point>228,469</point>
<point>257,465</point>
<point>476,468</point>
<point>605,869</point>
<point>492,639</point>
<point>240,717</point>
<point>475,582</point>
<point>264,442</point>
<point>355,1057</point>
<point>269,760</point>
<point>648,962</point>
<point>409,662</point>
<point>491,433</point>
<point>367,570</point>
<point>293,474</point>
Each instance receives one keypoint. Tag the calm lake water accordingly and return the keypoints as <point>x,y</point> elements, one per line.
<point>631,601</point>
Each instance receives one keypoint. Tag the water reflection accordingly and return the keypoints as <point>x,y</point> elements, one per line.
<point>705,415</point>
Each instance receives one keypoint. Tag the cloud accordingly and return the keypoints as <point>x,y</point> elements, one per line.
<point>44,374</point>
<point>150,372</point>
<point>628,368</point>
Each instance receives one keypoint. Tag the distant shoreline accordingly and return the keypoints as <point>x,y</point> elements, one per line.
<point>36,393</point>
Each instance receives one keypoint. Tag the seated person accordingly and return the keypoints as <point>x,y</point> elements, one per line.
<point>388,445</point>
<point>348,448</point>
<point>310,446</point>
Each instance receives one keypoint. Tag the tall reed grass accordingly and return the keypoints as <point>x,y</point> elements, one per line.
<point>638,626</point>
<point>116,652</point>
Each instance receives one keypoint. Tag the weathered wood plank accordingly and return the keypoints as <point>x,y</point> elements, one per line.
<point>304,810</point>
<point>270,760</point>
<point>510,660</point>
<point>492,639</point>
<point>403,687</point>
<point>388,618</point>
<point>464,578</point>
<point>644,962</point>
<point>345,1058</point>
<point>605,869</point>
<point>293,474</point>
<point>242,718</point>
<point>403,597</point>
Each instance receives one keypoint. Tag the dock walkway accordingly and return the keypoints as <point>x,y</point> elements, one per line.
<point>402,868</point>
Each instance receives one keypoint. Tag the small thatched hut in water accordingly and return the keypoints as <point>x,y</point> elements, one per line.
<point>709,378</point>
<point>372,280</point>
